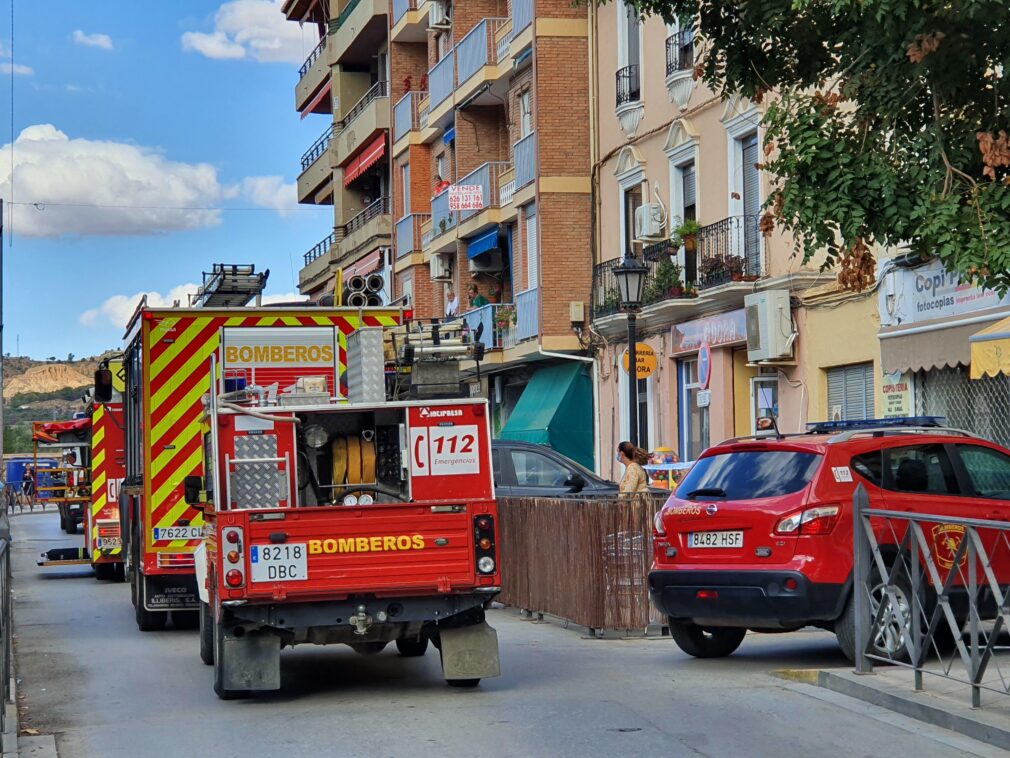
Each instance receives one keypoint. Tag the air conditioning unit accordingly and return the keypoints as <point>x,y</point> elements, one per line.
<point>487,263</point>
<point>769,325</point>
<point>439,15</point>
<point>440,267</point>
<point>650,222</point>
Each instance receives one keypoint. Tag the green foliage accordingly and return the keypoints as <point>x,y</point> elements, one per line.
<point>884,124</point>
<point>18,438</point>
<point>67,393</point>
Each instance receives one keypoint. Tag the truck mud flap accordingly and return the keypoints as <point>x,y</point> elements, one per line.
<point>251,662</point>
<point>170,593</point>
<point>470,652</point>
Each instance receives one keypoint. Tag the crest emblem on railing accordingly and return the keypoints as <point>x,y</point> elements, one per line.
<point>947,538</point>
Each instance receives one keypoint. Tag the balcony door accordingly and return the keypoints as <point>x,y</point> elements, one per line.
<point>751,186</point>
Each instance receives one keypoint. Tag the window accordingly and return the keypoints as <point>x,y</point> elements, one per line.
<point>850,392</point>
<point>525,113</point>
<point>924,469</point>
<point>689,210</point>
<point>632,202</point>
<point>405,179</point>
<point>537,470</point>
<point>629,55</point>
<point>988,469</point>
<point>748,476</point>
<point>870,466</point>
<point>532,255</point>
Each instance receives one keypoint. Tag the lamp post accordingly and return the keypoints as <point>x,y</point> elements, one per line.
<point>630,281</point>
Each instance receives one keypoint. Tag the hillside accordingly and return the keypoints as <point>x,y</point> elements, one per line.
<point>45,379</point>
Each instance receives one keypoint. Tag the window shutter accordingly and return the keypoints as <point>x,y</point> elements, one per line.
<point>689,191</point>
<point>850,389</point>
<point>532,254</point>
<point>751,177</point>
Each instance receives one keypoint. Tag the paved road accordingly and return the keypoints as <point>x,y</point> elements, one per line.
<point>105,689</point>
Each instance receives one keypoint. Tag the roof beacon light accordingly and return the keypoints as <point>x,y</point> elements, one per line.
<point>875,423</point>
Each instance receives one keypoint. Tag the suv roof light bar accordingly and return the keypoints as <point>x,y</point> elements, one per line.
<point>820,427</point>
<point>881,431</point>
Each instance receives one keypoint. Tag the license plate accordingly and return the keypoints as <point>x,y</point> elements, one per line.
<point>178,533</point>
<point>279,563</point>
<point>715,539</point>
<point>108,543</point>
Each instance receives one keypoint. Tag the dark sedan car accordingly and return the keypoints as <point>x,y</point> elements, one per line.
<point>522,469</point>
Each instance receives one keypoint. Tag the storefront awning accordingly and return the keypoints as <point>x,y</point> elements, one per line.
<point>365,159</point>
<point>990,350</point>
<point>482,243</point>
<point>363,266</point>
<point>922,351</point>
<point>556,409</point>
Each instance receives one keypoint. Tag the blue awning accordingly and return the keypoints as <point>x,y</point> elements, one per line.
<point>450,135</point>
<point>482,243</point>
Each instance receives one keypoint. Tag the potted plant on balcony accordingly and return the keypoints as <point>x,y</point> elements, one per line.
<point>714,269</point>
<point>611,301</point>
<point>690,290</point>
<point>686,235</point>
<point>668,279</point>
<point>506,316</point>
<point>735,265</point>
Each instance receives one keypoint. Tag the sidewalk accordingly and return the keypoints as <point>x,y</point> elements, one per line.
<point>942,702</point>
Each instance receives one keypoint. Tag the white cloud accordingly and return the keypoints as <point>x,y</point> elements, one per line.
<point>104,41</point>
<point>76,88</point>
<point>271,192</point>
<point>116,310</point>
<point>159,195</point>
<point>252,29</point>
<point>16,68</point>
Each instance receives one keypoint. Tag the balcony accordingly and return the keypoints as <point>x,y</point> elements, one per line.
<point>317,262</point>
<point>311,78</point>
<point>410,21</point>
<point>486,177</point>
<point>506,187</point>
<point>680,66</point>
<point>522,15</point>
<point>315,183</point>
<point>730,250</point>
<point>409,238</point>
<point>628,85</point>
<point>524,154</point>
<point>366,227</point>
<point>494,323</point>
<point>478,49</point>
<point>407,114</point>
<point>527,315</point>
<point>442,80</point>
<point>358,31</point>
<point>368,118</point>
<point>443,220</point>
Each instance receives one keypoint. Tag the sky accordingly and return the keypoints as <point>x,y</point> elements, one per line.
<point>149,141</point>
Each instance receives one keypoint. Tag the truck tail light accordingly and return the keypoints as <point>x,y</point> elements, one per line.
<point>233,562</point>
<point>176,560</point>
<point>234,578</point>
<point>484,544</point>
<point>818,520</point>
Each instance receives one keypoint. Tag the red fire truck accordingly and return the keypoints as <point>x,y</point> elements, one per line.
<point>362,521</point>
<point>167,374</point>
<point>108,467</point>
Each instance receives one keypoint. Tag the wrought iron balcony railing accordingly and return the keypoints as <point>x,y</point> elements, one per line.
<point>680,51</point>
<point>628,87</point>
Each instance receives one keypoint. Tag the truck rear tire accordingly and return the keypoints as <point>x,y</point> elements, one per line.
<point>70,525</point>
<point>206,634</point>
<point>147,621</point>
<point>219,688</point>
<point>706,642</point>
<point>104,572</point>
<point>186,619</point>
<point>412,647</point>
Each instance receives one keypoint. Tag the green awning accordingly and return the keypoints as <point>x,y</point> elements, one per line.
<point>556,409</point>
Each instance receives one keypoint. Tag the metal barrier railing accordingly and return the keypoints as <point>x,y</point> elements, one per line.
<point>524,155</point>
<point>919,578</point>
<point>313,57</point>
<point>408,233</point>
<point>376,91</point>
<point>319,147</point>
<point>406,117</point>
<point>6,622</point>
<point>442,78</point>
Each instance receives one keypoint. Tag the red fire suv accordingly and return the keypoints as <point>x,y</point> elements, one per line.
<point>759,535</point>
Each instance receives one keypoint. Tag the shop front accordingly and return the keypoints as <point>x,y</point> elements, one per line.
<point>931,323</point>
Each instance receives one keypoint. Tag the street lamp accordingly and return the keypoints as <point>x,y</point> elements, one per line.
<point>630,281</point>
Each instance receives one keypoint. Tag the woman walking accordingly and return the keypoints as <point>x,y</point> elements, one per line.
<point>635,479</point>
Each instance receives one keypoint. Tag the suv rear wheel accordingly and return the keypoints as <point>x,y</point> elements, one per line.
<point>706,642</point>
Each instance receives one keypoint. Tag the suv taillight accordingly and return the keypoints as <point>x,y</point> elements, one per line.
<point>817,520</point>
<point>657,524</point>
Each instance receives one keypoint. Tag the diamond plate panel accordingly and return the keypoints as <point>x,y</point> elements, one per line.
<point>257,485</point>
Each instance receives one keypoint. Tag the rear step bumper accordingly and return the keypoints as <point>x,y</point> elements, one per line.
<point>396,610</point>
<point>753,599</point>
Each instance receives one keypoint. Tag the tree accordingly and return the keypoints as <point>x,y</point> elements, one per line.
<point>70,357</point>
<point>886,122</point>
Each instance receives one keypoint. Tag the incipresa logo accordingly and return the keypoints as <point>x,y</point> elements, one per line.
<point>441,413</point>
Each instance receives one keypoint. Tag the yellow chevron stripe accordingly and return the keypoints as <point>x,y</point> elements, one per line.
<point>98,460</point>
<point>182,439</point>
<point>98,437</point>
<point>163,327</point>
<point>171,517</point>
<point>174,415</point>
<point>290,321</point>
<point>163,492</point>
<point>198,359</point>
<point>181,341</point>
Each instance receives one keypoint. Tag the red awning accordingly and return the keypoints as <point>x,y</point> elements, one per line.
<point>365,265</point>
<point>365,159</point>
<point>318,98</point>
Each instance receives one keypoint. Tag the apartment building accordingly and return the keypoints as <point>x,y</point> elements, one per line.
<point>674,152</point>
<point>344,85</point>
<point>491,200</point>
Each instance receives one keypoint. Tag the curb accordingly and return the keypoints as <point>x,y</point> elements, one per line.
<point>974,723</point>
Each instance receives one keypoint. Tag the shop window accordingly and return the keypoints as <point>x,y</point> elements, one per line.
<point>694,419</point>
<point>850,392</point>
<point>645,405</point>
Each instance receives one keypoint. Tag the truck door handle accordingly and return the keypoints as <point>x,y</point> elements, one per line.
<point>278,537</point>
